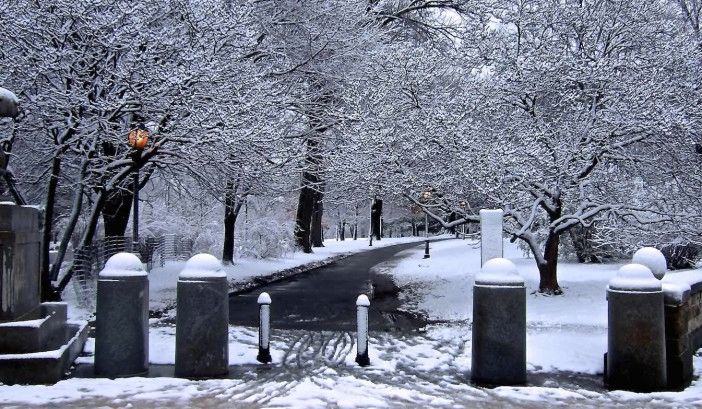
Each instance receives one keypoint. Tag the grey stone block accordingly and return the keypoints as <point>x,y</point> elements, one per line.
<point>122,326</point>
<point>636,352</point>
<point>499,335</point>
<point>19,261</point>
<point>202,327</point>
<point>45,367</point>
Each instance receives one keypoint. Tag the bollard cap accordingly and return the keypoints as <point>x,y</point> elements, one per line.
<point>202,267</point>
<point>499,272</point>
<point>264,298</point>
<point>652,258</point>
<point>123,265</point>
<point>635,278</point>
<point>362,301</point>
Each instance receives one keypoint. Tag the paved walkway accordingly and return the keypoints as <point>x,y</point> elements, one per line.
<point>325,298</point>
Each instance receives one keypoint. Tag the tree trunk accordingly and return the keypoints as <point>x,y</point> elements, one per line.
<point>232,206</point>
<point>118,207</point>
<point>47,291</point>
<point>303,221</point>
<point>316,234</point>
<point>342,231</point>
<point>376,217</point>
<point>548,271</point>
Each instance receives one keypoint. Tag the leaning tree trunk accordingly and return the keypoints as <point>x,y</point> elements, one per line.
<point>47,290</point>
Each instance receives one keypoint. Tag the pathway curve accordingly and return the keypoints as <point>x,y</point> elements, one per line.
<point>325,298</point>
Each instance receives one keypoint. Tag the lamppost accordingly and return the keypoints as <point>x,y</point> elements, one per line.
<point>425,198</point>
<point>462,203</point>
<point>138,138</point>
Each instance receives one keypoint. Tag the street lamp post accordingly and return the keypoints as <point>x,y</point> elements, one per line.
<point>138,138</point>
<point>426,197</point>
<point>463,225</point>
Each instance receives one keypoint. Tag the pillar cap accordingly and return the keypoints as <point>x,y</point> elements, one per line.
<point>499,272</point>
<point>202,267</point>
<point>264,298</point>
<point>362,301</point>
<point>123,265</point>
<point>635,278</point>
<point>652,258</point>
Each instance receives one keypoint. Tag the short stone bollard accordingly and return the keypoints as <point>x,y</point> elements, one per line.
<point>202,321</point>
<point>122,318</point>
<point>490,234</point>
<point>362,305</point>
<point>499,325</point>
<point>264,328</point>
<point>636,331</point>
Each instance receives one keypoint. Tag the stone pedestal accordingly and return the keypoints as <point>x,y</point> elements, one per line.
<point>37,345</point>
<point>122,318</point>
<point>490,234</point>
<point>202,323</point>
<point>20,238</point>
<point>499,325</point>
<point>636,351</point>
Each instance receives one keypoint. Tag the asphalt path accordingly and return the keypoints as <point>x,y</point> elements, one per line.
<point>324,299</point>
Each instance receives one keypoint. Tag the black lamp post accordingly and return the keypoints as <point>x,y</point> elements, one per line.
<point>425,198</point>
<point>138,138</point>
<point>463,203</point>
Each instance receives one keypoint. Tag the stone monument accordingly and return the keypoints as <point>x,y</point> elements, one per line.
<point>37,345</point>
<point>490,234</point>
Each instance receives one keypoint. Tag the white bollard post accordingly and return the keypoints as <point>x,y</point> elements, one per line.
<point>490,234</point>
<point>264,328</point>
<point>362,305</point>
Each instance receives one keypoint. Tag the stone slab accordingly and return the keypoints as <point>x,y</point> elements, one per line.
<point>499,335</point>
<point>44,367</point>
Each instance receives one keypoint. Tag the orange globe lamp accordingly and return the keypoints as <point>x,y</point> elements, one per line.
<point>138,138</point>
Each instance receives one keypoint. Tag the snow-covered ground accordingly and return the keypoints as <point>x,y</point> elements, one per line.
<point>566,340</point>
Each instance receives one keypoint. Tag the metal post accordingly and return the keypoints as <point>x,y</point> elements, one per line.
<point>264,328</point>
<point>426,235</point>
<point>370,225</point>
<point>362,305</point>
<point>135,211</point>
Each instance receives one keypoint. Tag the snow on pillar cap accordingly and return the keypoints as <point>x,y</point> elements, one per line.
<point>264,298</point>
<point>499,272</point>
<point>494,212</point>
<point>123,265</point>
<point>635,278</point>
<point>202,267</point>
<point>362,301</point>
<point>652,258</point>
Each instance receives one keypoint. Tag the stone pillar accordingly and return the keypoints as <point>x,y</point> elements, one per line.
<point>20,239</point>
<point>636,353</point>
<point>678,345</point>
<point>122,318</point>
<point>490,234</point>
<point>499,325</point>
<point>202,322</point>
